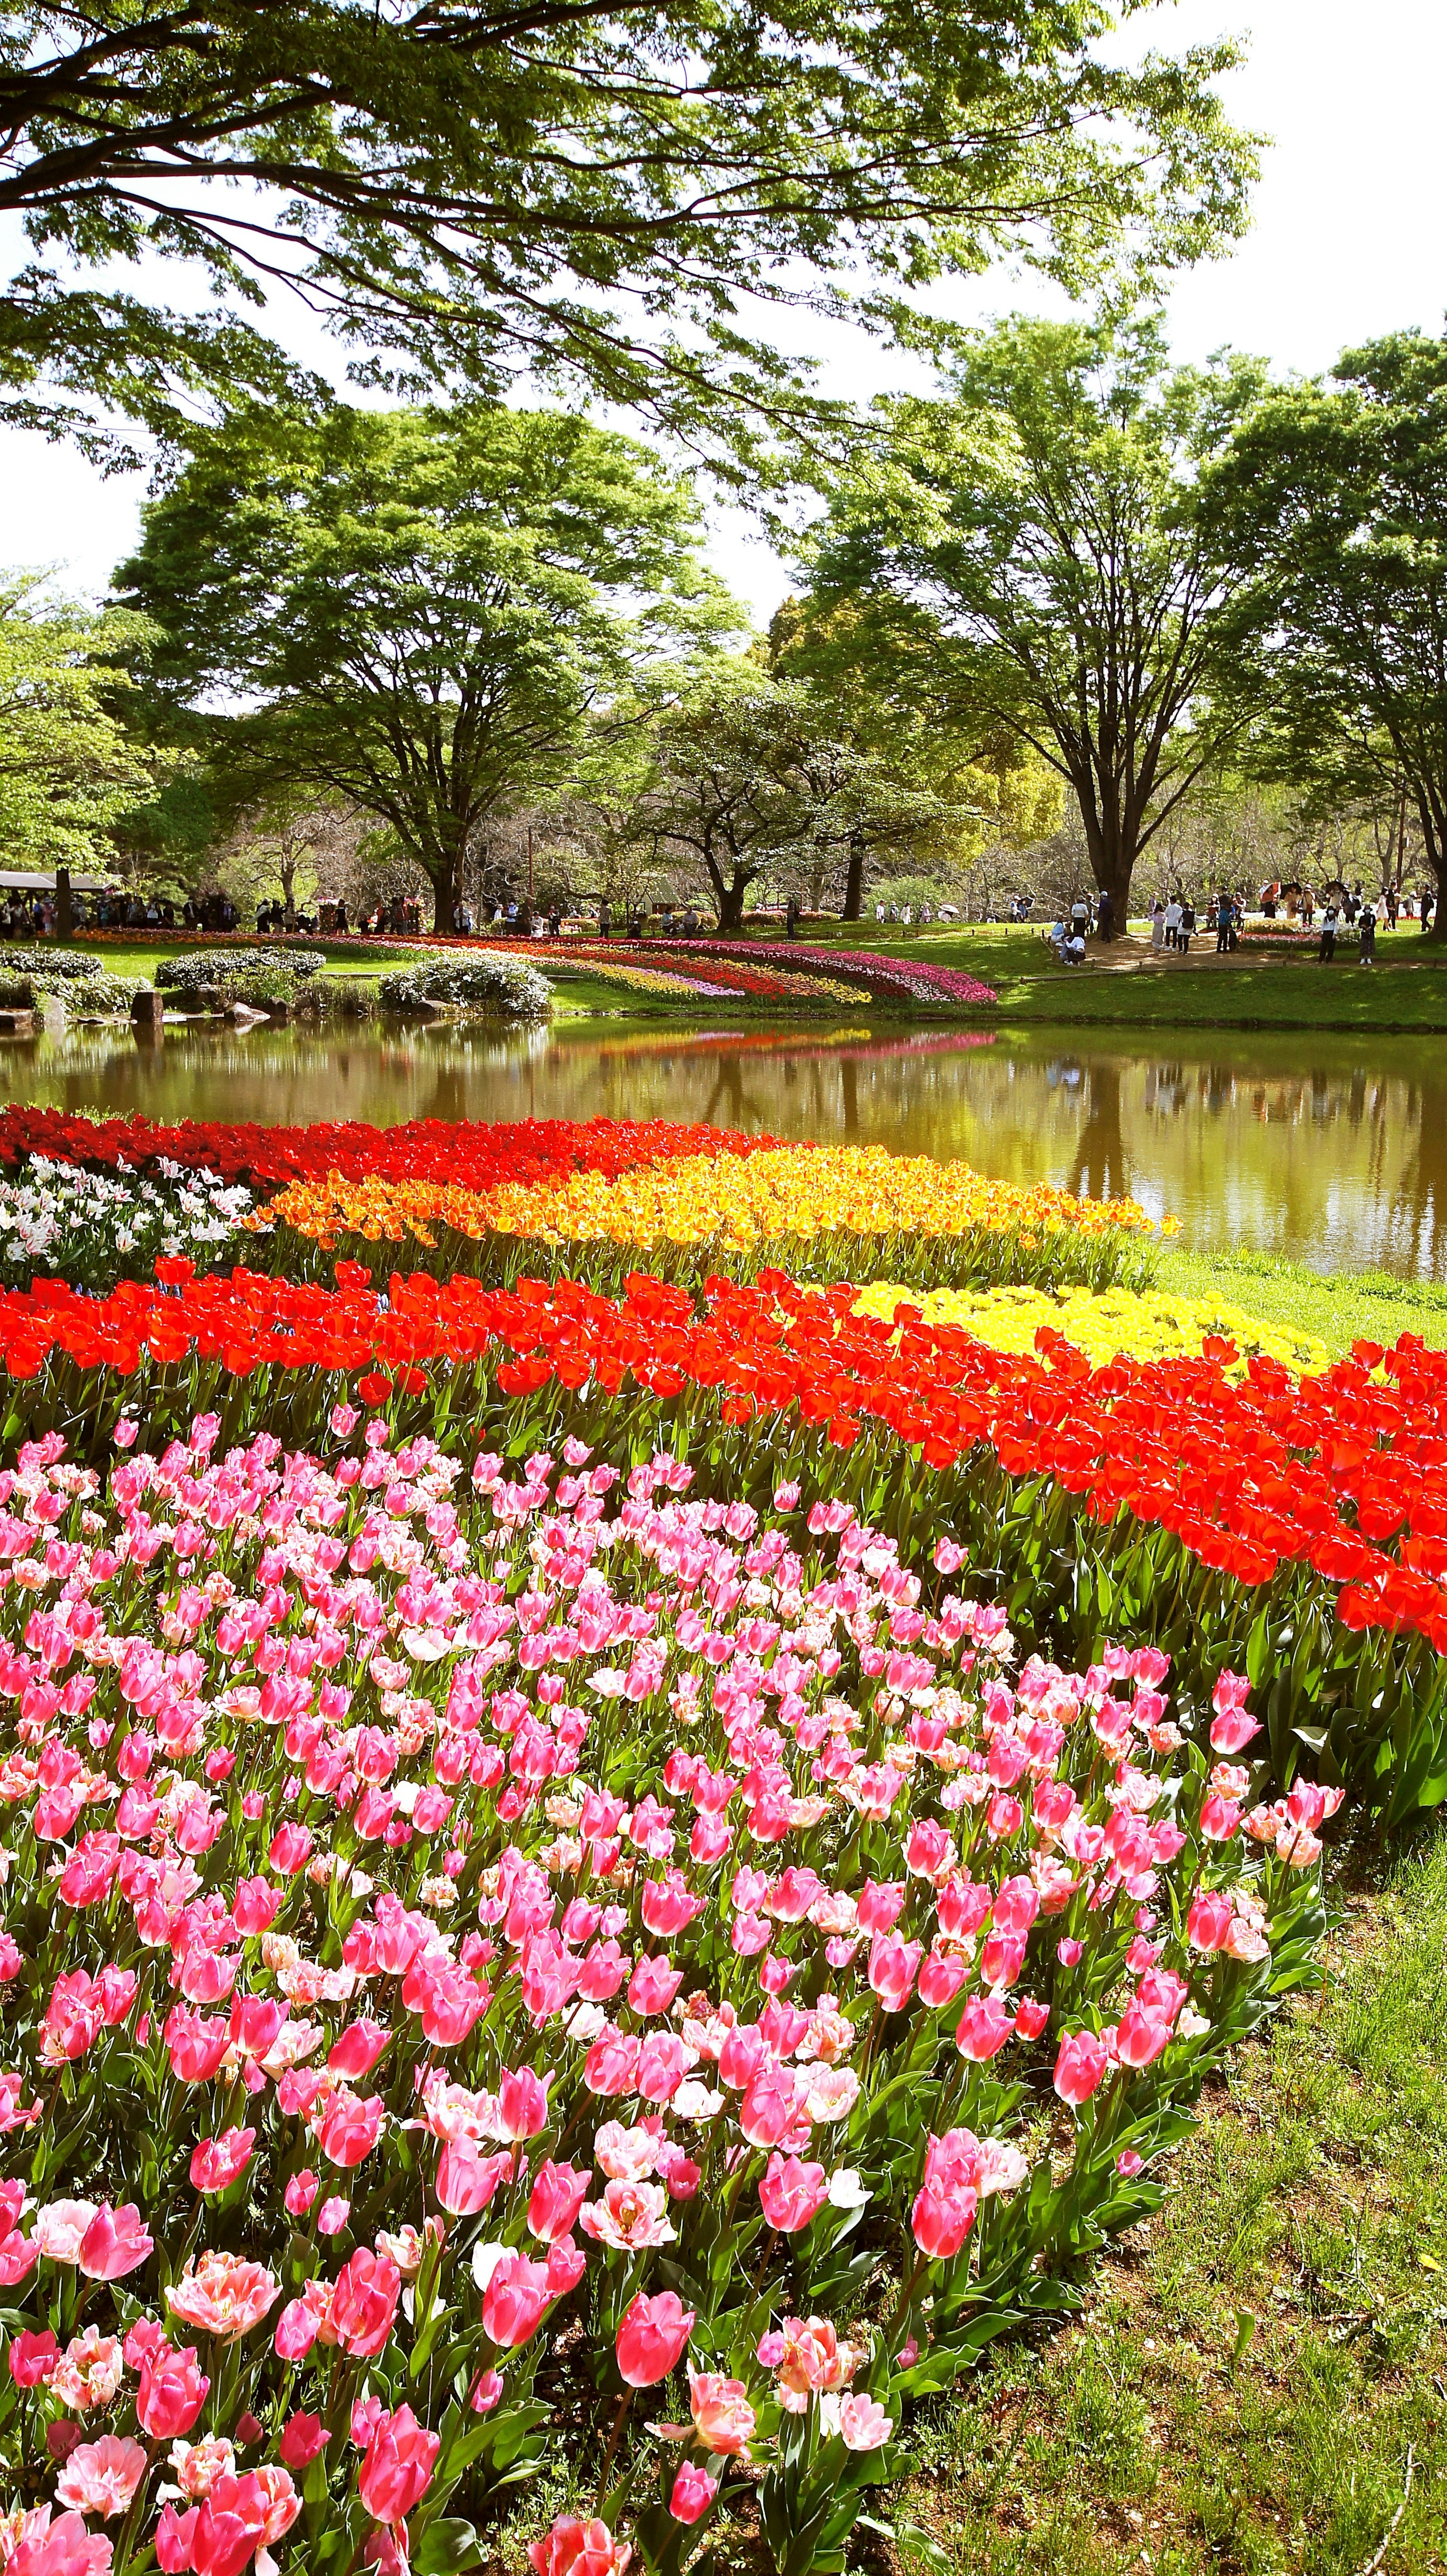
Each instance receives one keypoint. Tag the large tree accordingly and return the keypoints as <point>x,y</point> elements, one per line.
<point>874,682</point>
<point>571,185</point>
<point>422,614</point>
<point>69,768</point>
<point>750,776</point>
<point>1037,529</point>
<point>1338,493</point>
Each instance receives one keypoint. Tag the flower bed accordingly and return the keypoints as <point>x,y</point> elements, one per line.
<point>1102,1324</point>
<point>891,978</point>
<point>195,968</point>
<point>479,1946</point>
<point>94,1228</point>
<point>688,1196</point>
<point>470,1153</point>
<point>829,1211</point>
<point>1297,1525</point>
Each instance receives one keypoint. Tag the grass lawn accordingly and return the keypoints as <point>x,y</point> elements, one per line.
<point>1405,990</point>
<point>1254,2365</point>
<point>1339,1307</point>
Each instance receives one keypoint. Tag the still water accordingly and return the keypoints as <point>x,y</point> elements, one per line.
<point>1331,1151</point>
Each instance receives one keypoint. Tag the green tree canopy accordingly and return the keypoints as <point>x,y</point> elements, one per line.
<point>68,768</point>
<point>419,612</point>
<point>877,685</point>
<point>575,186</point>
<point>1338,493</point>
<point>749,774</point>
<point>1033,537</point>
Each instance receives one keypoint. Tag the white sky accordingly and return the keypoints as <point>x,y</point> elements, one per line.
<point>1349,240</point>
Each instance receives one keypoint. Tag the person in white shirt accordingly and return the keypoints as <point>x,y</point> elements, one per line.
<point>1173,921</point>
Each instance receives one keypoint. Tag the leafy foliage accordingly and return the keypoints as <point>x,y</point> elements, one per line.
<point>458,190</point>
<point>1337,493</point>
<point>67,766</point>
<point>1037,525</point>
<point>429,606</point>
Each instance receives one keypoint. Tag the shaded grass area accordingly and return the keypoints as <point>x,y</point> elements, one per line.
<point>1406,989</point>
<point>1242,2388</point>
<point>1339,1307</point>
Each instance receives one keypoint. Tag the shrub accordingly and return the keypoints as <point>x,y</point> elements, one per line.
<point>50,965</point>
<point>196,967</point>
<point>470,981</point>
<point>99,996</point>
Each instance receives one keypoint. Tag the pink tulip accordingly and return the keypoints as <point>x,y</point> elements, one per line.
<point>364,2303</point>
<point>171,2393</point>
<point>558,2194</point>
<point>515,2301</point>
<point>1140,2036</point>
<point>791,2192</point>
<point>767,2111</point>
<point>397,2469</point>
<point>984,2026</point>
<point>357,2051</point>
<point>176,2539</point>
<point>893,1967</point>
<point>1208,1923</point>
<point>942,2217</point>
<point>574,2548</point>
<point>940,1979</point>
<point>66,2549</point>
<point>217,2162</point>
<point>652,2337</point>
<point>33,2357</point>
<point>102,2476</point>
<point>693,2492</point>
<point>522,2103</point>
<point>303,2438</point>
<point>723,2419</point>
<point>115,2243</point>
<point>348,2129</point>
<point>467,2179</point>
<point>1080,2063</point>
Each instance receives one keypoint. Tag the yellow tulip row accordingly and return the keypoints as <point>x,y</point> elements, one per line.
<point>1113,1323</point>
<point>738,1204</point>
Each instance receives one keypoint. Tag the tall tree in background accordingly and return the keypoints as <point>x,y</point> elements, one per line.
<point>748,776</point>
<point>68,768</point>
<point>425,609</point>
<point>460,187</point>
<point>1038,528</point>
<point>1338,493</point>
<point>875,682</point>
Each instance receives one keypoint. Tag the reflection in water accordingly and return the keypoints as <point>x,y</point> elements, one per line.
<point>1330,1150</point>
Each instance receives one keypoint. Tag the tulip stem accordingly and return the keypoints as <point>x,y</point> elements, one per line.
<point>907,2293</point>
<point>614,2438</point>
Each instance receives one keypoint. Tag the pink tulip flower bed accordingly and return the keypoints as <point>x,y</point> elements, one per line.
<point>515,1969</point>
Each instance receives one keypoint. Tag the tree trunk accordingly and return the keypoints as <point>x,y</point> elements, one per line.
<point>444,895</point>
<point>854,883</point>
<point>731,904</point>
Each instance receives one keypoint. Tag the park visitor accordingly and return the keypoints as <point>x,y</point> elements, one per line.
<point>1173,921</point>
<point>1367,936</point>
<point>1104,913</point>
<point>1327,950</point>
<point>1158,922</point>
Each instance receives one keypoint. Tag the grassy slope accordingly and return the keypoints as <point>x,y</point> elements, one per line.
<point>1242,2388</point>
<point>1407,989</point>
<point>1340,1309</point>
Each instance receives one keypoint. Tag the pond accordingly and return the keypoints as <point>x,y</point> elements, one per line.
<point>1327,1150</point>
